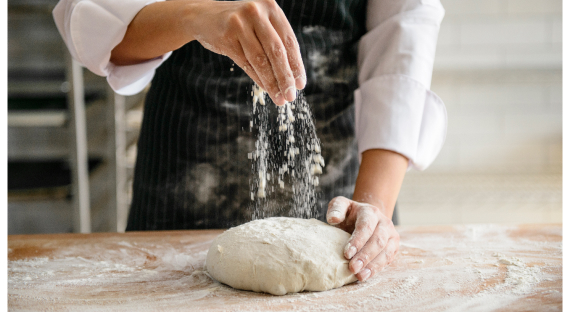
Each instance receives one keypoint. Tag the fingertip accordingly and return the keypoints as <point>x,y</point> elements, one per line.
<point>290,94</point>
<point>350,251</point>
<point>356,265</point>
<point>363,275</point>
<point>339,203</point>
<point>300,82</point>
<point>278,99</point>
<point>334,217</point>
<point>337,209</point>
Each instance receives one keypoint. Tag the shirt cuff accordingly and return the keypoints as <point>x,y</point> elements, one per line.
<point>132,79</point>
<point>92,28</point>
<point>398,113</point>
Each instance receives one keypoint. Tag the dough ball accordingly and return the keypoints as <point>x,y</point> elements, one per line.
<point>280,256</point>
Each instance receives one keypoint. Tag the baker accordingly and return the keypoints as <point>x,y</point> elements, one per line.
<point>365,67</point>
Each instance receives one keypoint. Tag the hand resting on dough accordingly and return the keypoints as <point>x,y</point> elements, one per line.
<point>374,241</point>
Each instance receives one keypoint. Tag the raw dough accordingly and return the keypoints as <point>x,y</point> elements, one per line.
<point>280,256</point>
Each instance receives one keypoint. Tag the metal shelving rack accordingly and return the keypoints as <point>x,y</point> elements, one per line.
<point>103,128</point>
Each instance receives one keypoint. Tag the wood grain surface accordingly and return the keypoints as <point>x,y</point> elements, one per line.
<point>441,268</point>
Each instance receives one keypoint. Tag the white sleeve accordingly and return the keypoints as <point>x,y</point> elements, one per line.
<point>92,28</point>
<point>395,110</point>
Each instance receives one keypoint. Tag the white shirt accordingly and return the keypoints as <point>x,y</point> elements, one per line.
<point>395,109</point>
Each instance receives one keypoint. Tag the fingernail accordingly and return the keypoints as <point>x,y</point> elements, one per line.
<point>350,252</point>
<point>279,99</point>
<point>290,94</point>
<point>333,217</point>
<point>300,82</point>
<point>357,266</point>
<point>364,275</point>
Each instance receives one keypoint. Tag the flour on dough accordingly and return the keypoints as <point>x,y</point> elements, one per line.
<point>280,256</point>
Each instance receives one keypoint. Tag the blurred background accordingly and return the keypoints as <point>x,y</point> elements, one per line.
<point>71,140</point>
<point>498,70</point>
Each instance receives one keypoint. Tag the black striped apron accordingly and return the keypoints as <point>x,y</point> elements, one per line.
<point>192,169</point>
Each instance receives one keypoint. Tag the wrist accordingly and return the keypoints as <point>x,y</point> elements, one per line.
<point>377,205</point>
<point>157,28</point>
<point>368,198</point>
<point>379,179</point>
<point>188,19</point>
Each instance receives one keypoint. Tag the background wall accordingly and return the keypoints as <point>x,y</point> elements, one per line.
<point>497,34</point>
<point>498,70</point>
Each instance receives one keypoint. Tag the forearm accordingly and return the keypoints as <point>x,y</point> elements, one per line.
<point>379,179</point>
<point>158,28</point>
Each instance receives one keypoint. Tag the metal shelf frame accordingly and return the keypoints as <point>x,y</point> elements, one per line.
<point>94,125</point>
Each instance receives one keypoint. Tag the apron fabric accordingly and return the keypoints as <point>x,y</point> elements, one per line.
<point>192,169</point>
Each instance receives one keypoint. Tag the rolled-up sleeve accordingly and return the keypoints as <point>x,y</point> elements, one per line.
<point>92,28</point>
<point>395,109</point>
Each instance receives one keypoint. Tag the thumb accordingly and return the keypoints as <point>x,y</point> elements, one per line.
<point>337,209</point>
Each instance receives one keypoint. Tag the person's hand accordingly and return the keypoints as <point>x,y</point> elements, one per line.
<point>257,36</point>
<point>374,241</point>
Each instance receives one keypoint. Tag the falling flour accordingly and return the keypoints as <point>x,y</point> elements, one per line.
<point>288,154</point>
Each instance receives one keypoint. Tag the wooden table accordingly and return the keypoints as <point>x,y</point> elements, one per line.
<point>452,268</point>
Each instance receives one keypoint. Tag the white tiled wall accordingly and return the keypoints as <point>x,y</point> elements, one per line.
<point>498,70</point>
<point>500,34</point>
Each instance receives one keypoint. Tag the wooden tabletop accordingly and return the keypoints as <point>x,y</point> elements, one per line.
<point>442,268</point>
